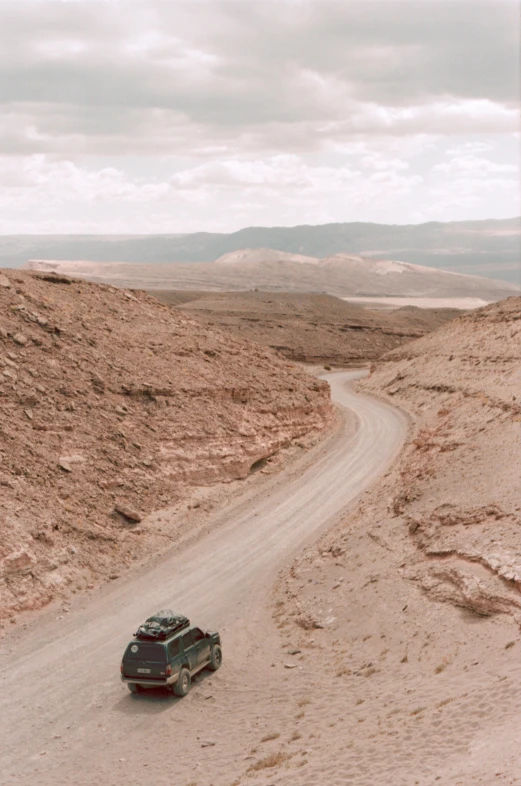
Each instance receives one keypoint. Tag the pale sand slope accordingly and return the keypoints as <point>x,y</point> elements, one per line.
<point>461,303</point>
<point>342,275</point>
<point>417,671</point>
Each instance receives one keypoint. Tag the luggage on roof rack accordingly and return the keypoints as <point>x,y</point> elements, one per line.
<point>161,625</point>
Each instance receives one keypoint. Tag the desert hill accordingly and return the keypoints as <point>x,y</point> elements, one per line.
<point>262,255</point>
<point>489,248</point>
<point>342,275</point>
<point>408,614</point>
<point>306,327</point>
<point>112,406</point>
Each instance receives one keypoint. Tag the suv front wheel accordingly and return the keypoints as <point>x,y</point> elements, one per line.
<point>182,686</point>
<point>216,658</point>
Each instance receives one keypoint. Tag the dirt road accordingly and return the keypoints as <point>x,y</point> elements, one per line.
<point>64,715</point>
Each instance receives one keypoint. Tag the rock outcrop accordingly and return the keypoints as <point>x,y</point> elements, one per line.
<point>113,406</point>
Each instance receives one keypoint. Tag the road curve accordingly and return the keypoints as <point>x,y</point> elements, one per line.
<point>60,680</point>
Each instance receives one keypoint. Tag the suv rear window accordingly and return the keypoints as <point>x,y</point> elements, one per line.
<point>145,651</point>
<point>186,640</point>
<point>173,648</point>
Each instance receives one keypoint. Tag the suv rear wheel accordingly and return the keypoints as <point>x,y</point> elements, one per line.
<point>182,686</point>
<point>133,688</point>
<point>216,658</point>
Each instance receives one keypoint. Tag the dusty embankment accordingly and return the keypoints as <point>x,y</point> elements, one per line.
<point>408,614</point>
<point>460,492</point>
<point>309,327</point>
<point>112,406</point>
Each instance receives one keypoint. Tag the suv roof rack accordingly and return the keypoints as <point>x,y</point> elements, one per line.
<point>162,625</point>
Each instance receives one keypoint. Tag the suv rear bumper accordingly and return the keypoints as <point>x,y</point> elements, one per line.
<point>160,683</point>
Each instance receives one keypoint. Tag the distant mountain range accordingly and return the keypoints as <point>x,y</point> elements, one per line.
<point>489,248</point>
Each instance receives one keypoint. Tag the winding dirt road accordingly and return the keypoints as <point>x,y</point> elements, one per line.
<point>64,715</point>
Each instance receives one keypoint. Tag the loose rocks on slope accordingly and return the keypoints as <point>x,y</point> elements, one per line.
<point>111,405</point>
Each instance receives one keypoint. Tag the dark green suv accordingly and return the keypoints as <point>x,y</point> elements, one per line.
<point>169,658</point>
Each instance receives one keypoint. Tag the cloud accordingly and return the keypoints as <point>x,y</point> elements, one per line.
<point>228,68</point>
<point>222,109</point>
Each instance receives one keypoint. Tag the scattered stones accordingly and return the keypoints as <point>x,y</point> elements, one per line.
<point>127,512</point>
<point>20,339</point>
<point>22,561</point>
<point>74,458</point>
<point>4,281</point>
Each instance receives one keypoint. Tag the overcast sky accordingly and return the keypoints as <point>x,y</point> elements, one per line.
<point>145,116</point>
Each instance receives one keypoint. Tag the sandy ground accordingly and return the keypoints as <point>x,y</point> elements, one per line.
<point>462,303</point>
<point>64,672</point>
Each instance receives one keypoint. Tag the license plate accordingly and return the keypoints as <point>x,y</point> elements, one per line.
<point>143,671</point>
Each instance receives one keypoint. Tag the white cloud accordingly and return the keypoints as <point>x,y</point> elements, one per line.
<point>475,167</point>
<point>175,115</point>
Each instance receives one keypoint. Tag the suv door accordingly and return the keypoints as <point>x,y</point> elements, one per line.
<point>202,645</point>
<point>190,650</point>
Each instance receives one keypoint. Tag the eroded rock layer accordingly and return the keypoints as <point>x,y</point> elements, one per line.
<point>459,490</point>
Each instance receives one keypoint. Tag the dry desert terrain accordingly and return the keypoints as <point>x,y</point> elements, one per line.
<point>309,328</point>
<point>342,275</point>
<point>368,592</point>
<point>113,406</point>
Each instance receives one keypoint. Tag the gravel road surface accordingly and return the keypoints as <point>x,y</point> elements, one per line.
<point>62,706</point>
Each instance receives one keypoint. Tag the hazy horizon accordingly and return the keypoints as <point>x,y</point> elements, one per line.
<point>254,226</point>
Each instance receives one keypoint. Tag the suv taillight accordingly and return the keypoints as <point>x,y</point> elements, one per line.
<point>169,671</point>
<point>121,667</point>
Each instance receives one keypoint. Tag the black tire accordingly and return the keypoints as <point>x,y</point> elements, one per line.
<point>182,686</point>
<point>133,688</point>
<point>216,658</point>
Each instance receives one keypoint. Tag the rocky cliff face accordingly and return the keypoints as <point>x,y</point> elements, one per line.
<point>459,489</point>
<point>113,406</point>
